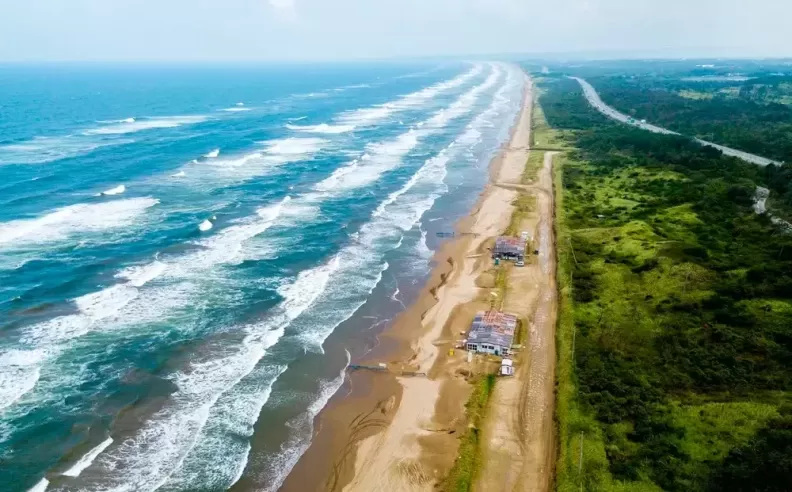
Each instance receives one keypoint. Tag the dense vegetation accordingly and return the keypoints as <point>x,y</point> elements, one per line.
<point>675,331</point>
<point>737,114</point>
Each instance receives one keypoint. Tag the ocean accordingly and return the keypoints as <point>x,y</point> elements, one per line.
<point>191,256</point>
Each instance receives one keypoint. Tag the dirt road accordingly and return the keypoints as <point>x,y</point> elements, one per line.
<point>518,433</point>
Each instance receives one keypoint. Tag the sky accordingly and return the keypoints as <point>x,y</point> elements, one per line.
<point>327,30</point>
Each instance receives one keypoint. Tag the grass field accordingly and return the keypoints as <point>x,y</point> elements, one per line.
<point>711,429</point>
<point>667,377</point>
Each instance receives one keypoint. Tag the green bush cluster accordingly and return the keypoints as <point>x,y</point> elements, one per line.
<point>681,299</point>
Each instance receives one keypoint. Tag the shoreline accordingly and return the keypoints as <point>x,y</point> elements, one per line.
<point>381,419</point>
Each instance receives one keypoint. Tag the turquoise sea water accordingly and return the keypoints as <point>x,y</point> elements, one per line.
<point>192,255</point>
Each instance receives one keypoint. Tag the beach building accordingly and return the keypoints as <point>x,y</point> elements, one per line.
<point>509,248</point>
<point>492,332</point>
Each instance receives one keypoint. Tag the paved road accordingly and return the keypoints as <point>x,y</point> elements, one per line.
<point>594,100</point>
<point>761,193</point>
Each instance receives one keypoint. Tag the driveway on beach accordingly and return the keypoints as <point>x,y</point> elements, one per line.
<point>518,432</point>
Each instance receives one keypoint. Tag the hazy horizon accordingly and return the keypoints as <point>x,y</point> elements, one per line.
<point>351,30</point>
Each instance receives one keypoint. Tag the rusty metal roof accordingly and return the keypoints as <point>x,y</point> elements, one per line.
<point>493,327</point>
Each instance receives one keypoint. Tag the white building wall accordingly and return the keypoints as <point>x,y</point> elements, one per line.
<point>487,348</point>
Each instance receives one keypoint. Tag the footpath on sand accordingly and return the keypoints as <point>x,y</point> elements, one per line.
<point>518,437</point>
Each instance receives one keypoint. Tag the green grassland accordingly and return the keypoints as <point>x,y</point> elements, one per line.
<point>675,326</point>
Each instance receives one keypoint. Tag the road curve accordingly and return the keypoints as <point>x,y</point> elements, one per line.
<point>595,100</point>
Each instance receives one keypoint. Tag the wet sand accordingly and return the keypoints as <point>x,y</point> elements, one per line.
<point>397,429</point>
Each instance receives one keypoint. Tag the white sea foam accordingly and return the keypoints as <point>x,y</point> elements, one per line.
<point>233,168</point>
<point>20,369</point>
<point>114,191</point>
<point>93,308</point>
<point>19,372</point>
<point>383,157</point>
<point>41,486</point>
<point>236,161</point>
<point>187,424</point>
<point>205,225</point>
<point>212,154</point>
<point>275,152</point>
<point>395,297</point>
<point>225,246</point>
<point>86,460</point>
<point>354,86</point>
<point>294,146</point>
<point>183,436</point>
<point>280,467</point>
<point>136,125</point>
<point>120,305</point>
<point>74,219</point>
<point>140,275</point>
<point>369,116</point>
<point>323,128</point>
<point>40,150</point>
<point>361,262</point>
<point>379,158</point>
<point>122,120</point>
<point>423,248</point>
<point>463,104</point>
<point>236,109</point>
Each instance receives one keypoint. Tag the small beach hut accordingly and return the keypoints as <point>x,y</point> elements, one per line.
<point>492,332</point>
<point>509,248</point>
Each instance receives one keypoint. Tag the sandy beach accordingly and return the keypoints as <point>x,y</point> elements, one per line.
<point>398,430</point>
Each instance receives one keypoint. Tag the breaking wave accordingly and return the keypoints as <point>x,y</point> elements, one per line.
<point>86,460</point>
<point>323,128</point>
<point>114,191</point>
<point>369,116</point>
<point>385,156</point>
<point>133,125</point>
<point>72,220</point>
<point>291,451</point>
<point>40,150</point>
<point>182,440</point>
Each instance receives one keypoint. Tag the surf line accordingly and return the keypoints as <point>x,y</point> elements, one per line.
<point>325,274</point>
<point>350,120</point>
<point>384,156</point>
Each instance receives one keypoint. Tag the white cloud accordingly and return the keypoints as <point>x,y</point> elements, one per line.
<point>285,10</point>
